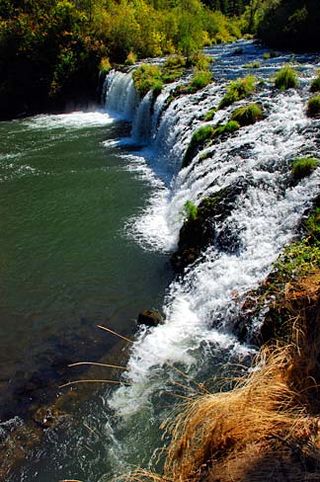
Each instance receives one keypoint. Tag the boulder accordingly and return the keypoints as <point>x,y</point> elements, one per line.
<point>150,318</point>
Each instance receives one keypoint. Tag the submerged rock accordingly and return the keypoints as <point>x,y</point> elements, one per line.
<point>48,417</point>
<point>150,318</point>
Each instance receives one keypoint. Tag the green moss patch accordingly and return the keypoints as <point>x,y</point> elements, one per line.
<point>198,140</point>
<point>190,211</point>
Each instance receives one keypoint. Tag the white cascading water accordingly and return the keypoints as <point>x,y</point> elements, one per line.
<point>120,95</point>
<point>200,307</point>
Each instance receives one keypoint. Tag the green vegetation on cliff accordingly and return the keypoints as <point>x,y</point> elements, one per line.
<point>50,51</point>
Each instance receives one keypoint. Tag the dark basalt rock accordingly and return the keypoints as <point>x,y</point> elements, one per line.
<point>150,318</point>
<point>197,234</point>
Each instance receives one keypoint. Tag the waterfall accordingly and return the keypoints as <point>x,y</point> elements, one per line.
<point>121,98</point>
<point>201,308</point>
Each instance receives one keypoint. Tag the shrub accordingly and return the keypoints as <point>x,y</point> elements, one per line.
<point>131,58</point>
<point>227,128</point>
<point>209,115</point>
<point>303,166</point>
<point>315,84</point>
<point>247,114</point>
<point>147,77</point>
<point>286,78</point>
<point>200,61</point>
<point>190,210</point>
<point>105,65</point>
<point>313,106</point>
<point>200,79</point>
<point>175,61</point>
<point>237,90</point>
<point>173,68</point>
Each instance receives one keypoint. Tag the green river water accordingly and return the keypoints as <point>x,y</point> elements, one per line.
<point>66,259</point>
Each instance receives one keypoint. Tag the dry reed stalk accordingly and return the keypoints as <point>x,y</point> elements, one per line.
<point>96,364</point>
<point>108,330</point>
<point>106,381</point>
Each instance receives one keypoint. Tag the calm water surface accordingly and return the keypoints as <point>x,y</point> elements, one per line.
<point>66,260</point>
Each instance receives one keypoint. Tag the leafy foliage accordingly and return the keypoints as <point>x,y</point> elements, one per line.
<point>147,77</point>
<point>290,24</point>
<point>60,45</point>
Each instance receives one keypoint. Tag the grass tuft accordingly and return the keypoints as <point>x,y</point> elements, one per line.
<point>313,106</point>
<point>286,78</point>
<point>200,79</point>
<point>247,114</point>
<point>303,166</point>
<point>252,65</point>
<point>237,90</point>
<point>315,84</point>
<point>208,116</point>
<point>190,210</point>
<point>227,128</point>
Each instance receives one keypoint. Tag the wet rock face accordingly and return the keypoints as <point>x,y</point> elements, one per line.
<point>197,234</point>
<point>150,318</point>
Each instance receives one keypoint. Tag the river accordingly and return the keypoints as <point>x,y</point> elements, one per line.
<point>92,210</point>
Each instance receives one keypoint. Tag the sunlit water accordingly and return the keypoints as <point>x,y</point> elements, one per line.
<point>198,335</point>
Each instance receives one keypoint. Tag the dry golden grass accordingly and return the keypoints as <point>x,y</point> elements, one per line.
<point>225,433</point>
